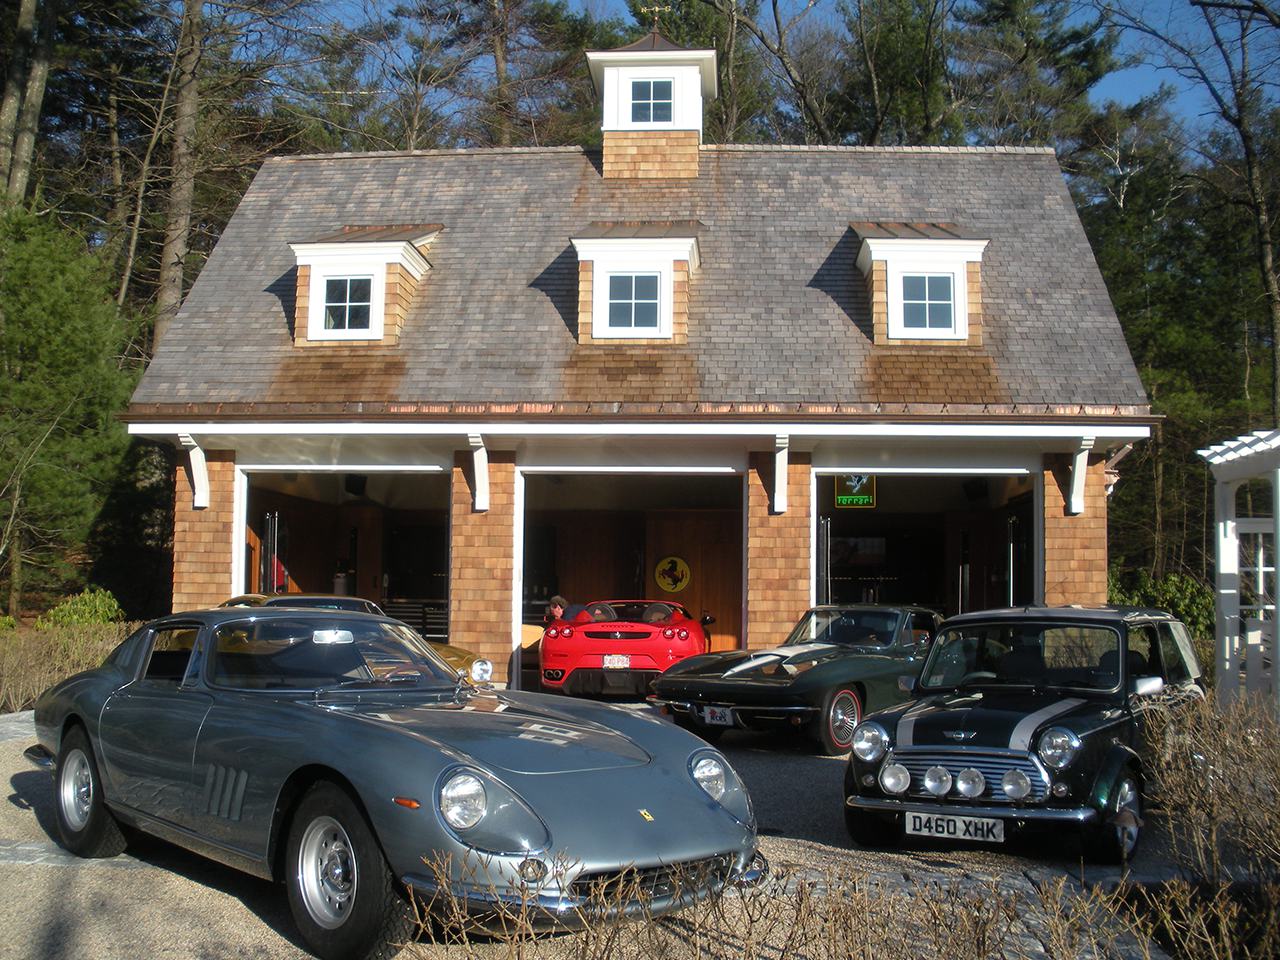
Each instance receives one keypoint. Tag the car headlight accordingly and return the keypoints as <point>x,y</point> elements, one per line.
<point>894,778</point>
<point>482,671</point>
<point>463,801</point>
<point>708,773</point>
<point>1058,747</point>
<point>1015,784</point>
<point>870,742</point>
<point>970,783</point>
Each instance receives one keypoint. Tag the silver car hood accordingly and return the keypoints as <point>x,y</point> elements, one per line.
<point>500,734</point>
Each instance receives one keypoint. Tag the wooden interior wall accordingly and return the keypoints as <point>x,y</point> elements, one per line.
<point>710,542</point>
<point>310,559</point>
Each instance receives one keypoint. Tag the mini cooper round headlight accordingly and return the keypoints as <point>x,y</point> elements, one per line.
<point>937,780</point>
<point>708,773</point>
<point>1058,747</point>
<point>894,778</point>
<point>1016,784</point>
<point>870,742</point>
<point>482,671</point>
<point>462,801</point>
<point>970,782</point>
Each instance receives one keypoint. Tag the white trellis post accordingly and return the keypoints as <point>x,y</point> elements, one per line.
<point>1233,462</point>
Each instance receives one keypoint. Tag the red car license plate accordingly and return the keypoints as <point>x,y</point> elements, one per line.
<point>617,661</point>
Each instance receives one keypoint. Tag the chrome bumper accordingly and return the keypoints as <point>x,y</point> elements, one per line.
<point>1079,815</point>
<point>38,756</point>
<point>749,710</point>
<point>493,909</point>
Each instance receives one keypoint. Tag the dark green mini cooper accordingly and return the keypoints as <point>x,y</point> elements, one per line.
<point>1026,717</point>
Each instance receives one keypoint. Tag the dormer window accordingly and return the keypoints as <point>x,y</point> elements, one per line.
<point>650,101</point>
<point>924,280</point>
<point>357,285</point>
<point>347,303</point>
<point>633,281</point>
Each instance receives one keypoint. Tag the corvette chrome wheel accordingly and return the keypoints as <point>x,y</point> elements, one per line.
<point>841,715</point>
<point>327,872</point>
<point>75,789</point>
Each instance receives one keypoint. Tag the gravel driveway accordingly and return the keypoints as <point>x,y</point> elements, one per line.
<point>160,901</point>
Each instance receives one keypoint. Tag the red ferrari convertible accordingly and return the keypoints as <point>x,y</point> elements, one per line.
<point>618,646</point>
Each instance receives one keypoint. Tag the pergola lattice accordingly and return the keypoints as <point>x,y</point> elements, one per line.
<point>1246,631</point>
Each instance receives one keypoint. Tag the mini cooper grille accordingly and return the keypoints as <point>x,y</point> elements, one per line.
<point>991,766</point>
<point>619,634</point>
<point>654,883</point>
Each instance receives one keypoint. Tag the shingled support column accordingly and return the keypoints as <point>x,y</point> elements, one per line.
<point>778,549</point>
<point>481,560</point>
<point>202,546</point>
<point>1075,547</point>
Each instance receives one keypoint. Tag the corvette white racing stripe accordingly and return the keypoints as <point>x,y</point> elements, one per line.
<point>780,653</point>
<point>1020,739</point>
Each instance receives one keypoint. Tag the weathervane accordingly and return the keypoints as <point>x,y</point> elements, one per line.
<point>655,10</point>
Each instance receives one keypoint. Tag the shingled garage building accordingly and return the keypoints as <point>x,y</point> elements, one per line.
<point>748,378</point>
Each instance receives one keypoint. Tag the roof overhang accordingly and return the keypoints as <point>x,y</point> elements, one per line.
<point>1254,454</point>
<point>704,60</point>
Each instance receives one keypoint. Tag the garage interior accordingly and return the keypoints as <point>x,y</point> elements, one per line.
<point>953,543</point>
<point>596,537</point>
<point>381,536</point>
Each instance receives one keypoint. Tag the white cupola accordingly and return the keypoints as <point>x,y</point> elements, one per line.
<point>652,94</point>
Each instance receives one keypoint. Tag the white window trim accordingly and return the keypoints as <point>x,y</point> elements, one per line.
<point>924,258</point>
<point>652,124</point>
<point>337,261</point>
<point>635,256</point>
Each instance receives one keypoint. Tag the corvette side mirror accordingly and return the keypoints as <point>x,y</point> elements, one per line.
<point>1148,686</point>
<point>907,684</point>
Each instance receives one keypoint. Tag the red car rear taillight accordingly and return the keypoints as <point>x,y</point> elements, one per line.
<point>682,634</point>
<point>669,633</point>
<point>566,632</point>
<point>552,633</point>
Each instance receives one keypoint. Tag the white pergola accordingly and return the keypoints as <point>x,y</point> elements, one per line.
<point>1242,642</point>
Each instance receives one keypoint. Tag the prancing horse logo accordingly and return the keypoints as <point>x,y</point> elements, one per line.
<point>960,734</point>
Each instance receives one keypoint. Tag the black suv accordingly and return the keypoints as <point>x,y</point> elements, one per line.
<point>1024,717</point>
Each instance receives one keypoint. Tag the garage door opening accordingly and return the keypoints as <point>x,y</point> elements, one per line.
<point>952,543</point>
<point>381,536</point>
<point>602,537</point>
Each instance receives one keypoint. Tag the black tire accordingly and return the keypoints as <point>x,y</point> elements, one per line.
<point>343,897</point>
<point>869,830</point>
<point>1115,839</point>
<point>841,713</point>
<point>85,825</point>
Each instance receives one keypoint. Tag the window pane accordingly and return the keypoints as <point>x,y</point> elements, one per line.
<point>620,314</point>
<point>939,288</point>
<point>913,315</point>
<point>358,317</point>
<point>620,287</point>
<point>646,314</point>
<point>335,317</point>
<point>662,113</point>
<point>640,113</point>
<point>940,316</point>
<point>662,90</point>
<point>640,90</point>
<point>913,288</point>
<point>647,287</point>
<point>361,290</point>
<point>335,291</point>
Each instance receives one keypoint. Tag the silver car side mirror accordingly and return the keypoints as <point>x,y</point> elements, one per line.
<point>1148,686</point>
<point>907,684</point>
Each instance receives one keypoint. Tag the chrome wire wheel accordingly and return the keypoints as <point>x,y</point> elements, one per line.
<point>1128,816</point>
<point>75,790</point>
<point>327,876</point>
<point>844,717</point>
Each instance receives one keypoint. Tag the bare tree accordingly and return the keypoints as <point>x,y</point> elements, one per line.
<point>1236,66</point>
<point>28,118</point>
<point>23,41</point>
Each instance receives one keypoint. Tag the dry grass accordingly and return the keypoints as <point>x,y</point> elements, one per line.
<point>33,660</point>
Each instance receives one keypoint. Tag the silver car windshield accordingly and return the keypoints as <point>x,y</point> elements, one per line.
<point>310,653</point>
<point>1079,657</point>
<point>850,628</point>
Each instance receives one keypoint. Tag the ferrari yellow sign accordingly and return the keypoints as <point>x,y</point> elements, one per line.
<point>671,574</point>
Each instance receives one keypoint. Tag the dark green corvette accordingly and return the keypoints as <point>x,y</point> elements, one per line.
<point>1026,718</point>
<point>837,663</point>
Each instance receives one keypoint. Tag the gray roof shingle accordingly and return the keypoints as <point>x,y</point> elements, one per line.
<point>778,313</point>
